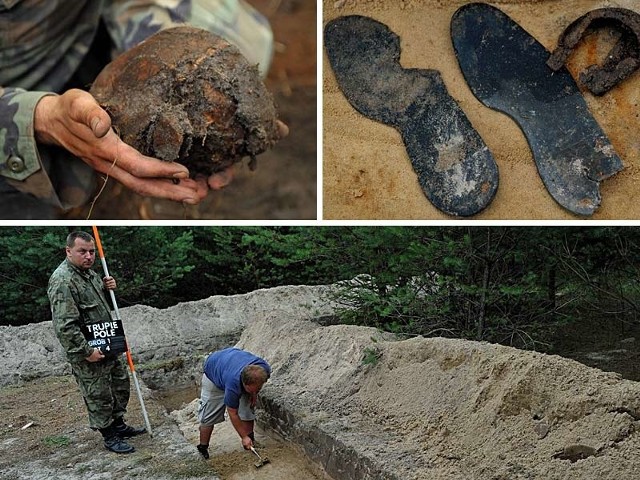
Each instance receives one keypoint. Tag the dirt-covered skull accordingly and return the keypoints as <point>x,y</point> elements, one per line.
<point>187,95</point>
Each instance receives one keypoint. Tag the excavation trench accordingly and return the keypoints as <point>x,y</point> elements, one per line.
<point>344,401</point>
<point>287,460</point>
<point>297,445</point>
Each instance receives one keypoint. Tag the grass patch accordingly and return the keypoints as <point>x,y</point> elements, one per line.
<point>166,365</point>
<point>56,441</point>
<point>371,356</point>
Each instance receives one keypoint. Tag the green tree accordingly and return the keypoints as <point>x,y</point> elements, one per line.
<point>148,262</point>
<point>29,255</point>
<point>512,285</point>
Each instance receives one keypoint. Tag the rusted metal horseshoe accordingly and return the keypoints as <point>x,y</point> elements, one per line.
<point>621,61</point>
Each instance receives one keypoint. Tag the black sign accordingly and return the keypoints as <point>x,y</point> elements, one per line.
<point>107,336</point>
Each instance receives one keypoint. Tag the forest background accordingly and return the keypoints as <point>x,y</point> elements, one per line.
<point>519,286</point>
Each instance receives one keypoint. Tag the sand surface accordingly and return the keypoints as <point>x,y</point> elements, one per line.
<point>410,409</point>
<point>231,462</point>
<point>366,171</point>
<point>449,409</point>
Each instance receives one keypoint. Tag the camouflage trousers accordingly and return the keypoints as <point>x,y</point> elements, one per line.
<point>105,388</point>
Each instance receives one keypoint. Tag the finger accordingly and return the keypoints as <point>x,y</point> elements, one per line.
<point>221,179</point>
<point>202,186</point>
<point>100,123</point>
<point>101,154</point>
<point>84,109</point>
<point>160,188</point>
<point>138,165</point>
<point>186,191</point>
<point>283,130</point>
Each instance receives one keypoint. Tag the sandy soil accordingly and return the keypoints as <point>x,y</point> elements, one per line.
<point>230,461</point>
<point>441,409</point>
<point>366,171</point>
<point>415,409</point>
<point>453,409</point>
<point>50,438</point>
<point>57,443</point>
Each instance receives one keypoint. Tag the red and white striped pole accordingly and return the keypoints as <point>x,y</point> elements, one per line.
<point>132,368</point>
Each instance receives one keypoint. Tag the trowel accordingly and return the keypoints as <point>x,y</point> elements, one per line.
<point>261,460</point>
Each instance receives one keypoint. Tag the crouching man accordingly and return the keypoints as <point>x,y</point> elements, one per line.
<point>232,379</point>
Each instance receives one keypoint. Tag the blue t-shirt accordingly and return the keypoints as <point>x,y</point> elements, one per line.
<point>224,367</point>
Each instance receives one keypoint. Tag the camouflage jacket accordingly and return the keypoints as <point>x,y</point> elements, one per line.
<point>42,44</point>
<point>77,298</point>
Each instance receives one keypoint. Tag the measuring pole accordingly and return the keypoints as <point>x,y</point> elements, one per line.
<point>132,368</point>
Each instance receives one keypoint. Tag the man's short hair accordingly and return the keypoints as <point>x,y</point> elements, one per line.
<point>71,238</point>
<point>253,375</point>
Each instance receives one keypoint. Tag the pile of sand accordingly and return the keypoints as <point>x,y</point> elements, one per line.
<point>444,409</point>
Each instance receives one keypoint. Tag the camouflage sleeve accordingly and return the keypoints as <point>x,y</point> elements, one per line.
<point>47,173</point>
<point>20,157</point>
<point>240,24</point>
<point>65,316</point>
<point>131,21</point>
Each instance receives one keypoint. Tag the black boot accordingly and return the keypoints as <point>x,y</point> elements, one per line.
<point>125,431</point>
<point>113,442</point>
<point>204,450</point>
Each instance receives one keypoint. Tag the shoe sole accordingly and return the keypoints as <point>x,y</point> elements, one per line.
<point>455,169</point>
<point>506,69</point>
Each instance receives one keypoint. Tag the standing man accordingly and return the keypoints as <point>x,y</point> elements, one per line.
<point>79,306</point>
<point>232,378</point>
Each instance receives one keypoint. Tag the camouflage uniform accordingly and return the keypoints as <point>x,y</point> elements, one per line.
<point>43,44</point>
<point>78,298</point>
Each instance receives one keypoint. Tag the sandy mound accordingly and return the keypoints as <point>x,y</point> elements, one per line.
<point>361,403</point>
<point>440,408</point>
<point>157,335</point>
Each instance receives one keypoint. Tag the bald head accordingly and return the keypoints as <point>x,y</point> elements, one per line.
<point>253,375</point>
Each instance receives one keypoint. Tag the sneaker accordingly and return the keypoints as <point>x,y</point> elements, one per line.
<point>204,451</point>
<point>118,445</point>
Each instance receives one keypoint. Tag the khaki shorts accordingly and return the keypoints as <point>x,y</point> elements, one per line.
<point>211,409</point>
